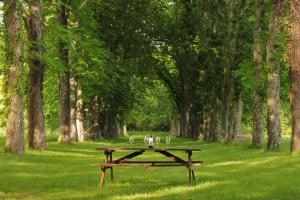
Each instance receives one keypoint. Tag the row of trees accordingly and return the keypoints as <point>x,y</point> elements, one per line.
<point>97,51</point>
<point>221,53</point>
<point>216,59</point>
<point>33,20</point>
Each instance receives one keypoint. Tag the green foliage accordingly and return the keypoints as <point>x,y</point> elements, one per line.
<point>153,110</point>
<point>118,49</point>
<point>3,107</point>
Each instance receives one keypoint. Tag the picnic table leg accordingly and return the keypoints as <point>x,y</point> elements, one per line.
<point>102,176</point>
<point>190,176</point>
<point>111,169</point>
<point>189,166</point>
<point>193,173</point>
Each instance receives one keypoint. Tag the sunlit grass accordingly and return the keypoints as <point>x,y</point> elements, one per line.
<point>230,171</point>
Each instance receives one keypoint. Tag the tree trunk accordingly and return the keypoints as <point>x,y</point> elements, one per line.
<point>73,98</point>
<point>206,125</point>
<point>224,130</point>
<point>224,122</point>
<point>174,126</point>
<point>35,28</point>
<point>15,121</point>
<point>123,130</point>
<point>95,119</point>
<point>111,126</point>
<point>80,117</point>
<point>64,81</point>
<point>214,123</point>
<point>101,121</point>
<point>294,47</point>
<point>273,62</point>
<point>258,115</point>
<point>183,122</point>
<point>237,110</point>
<point>195,122</point>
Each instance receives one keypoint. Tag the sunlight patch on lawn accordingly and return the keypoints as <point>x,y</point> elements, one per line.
<point>67,154</point>
<point>263,161</point>
<point>166,191</point>
<point>226,163</point>
<point>30,175</point>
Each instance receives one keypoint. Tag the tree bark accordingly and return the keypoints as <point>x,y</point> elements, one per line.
<point>95,118</point>
<point>237,110</point>
<point>273,62</point>
<point>294,47</point>
<point>35,28</point>
<point>111,126</point>
<point>174,126</point>
<point>80,117</point>
<point>194,128</point>
<point>123,130</point>
<point>74,98</point>
<point>15,121</point>
<point>183,122</point>
<point>206,125</point>
<point>214,123</point>
<point>101,121</point>
<point>64,81</point>
<point>258,115</point>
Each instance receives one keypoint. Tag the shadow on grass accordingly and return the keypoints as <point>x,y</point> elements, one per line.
<point>230,171</point>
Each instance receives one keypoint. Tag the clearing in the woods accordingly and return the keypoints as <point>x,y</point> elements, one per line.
<point>230,171</point>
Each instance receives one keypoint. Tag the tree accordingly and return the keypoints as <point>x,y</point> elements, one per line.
<point>294,46</point>
<point>274,54</point>
<point>258,102</point>
<point>228,60</point>
<point>235,13</point>
<point>64,79</point>
<point>182,57</point>
<point>127,30</point>
<point>34,24</point>
<point>15,120</point>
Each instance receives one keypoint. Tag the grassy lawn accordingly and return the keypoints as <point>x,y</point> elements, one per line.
<point>229,172</point>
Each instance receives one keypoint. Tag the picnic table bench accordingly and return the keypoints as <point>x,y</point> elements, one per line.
<point>109,163</point>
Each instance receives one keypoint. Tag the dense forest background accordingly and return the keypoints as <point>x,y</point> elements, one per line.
<point>90,69</point>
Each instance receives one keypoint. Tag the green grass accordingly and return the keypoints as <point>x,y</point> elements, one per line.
<point>232,171</point>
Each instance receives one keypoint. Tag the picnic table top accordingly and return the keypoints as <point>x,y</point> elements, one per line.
<point>146,149</point>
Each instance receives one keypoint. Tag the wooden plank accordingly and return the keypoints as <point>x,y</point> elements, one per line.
<point>129,156</point>
<point>172,156</point>
<point>108,149</point>
<point>102,176</point>
<point>189,166</point>
<point>153,161</point>
<point>111,169</point>
<point>193,173</point>
<point>108,165</point>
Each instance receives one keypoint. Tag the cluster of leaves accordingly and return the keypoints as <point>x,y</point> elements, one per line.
<point>110,48</point>
<point>122,52</point>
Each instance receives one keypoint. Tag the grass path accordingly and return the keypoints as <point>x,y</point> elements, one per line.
<point>229,172</point>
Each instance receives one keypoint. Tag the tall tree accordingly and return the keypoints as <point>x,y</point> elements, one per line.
<point>294,47</point>
<point>258,102</point>
<point>230,44</point>
<point>183,57</point>
<point>15,121</point>
<point>64,79</point>
<point>274,62</point>
<point>34,24</point>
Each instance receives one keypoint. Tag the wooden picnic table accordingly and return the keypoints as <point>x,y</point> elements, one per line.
<point>109,163</point>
